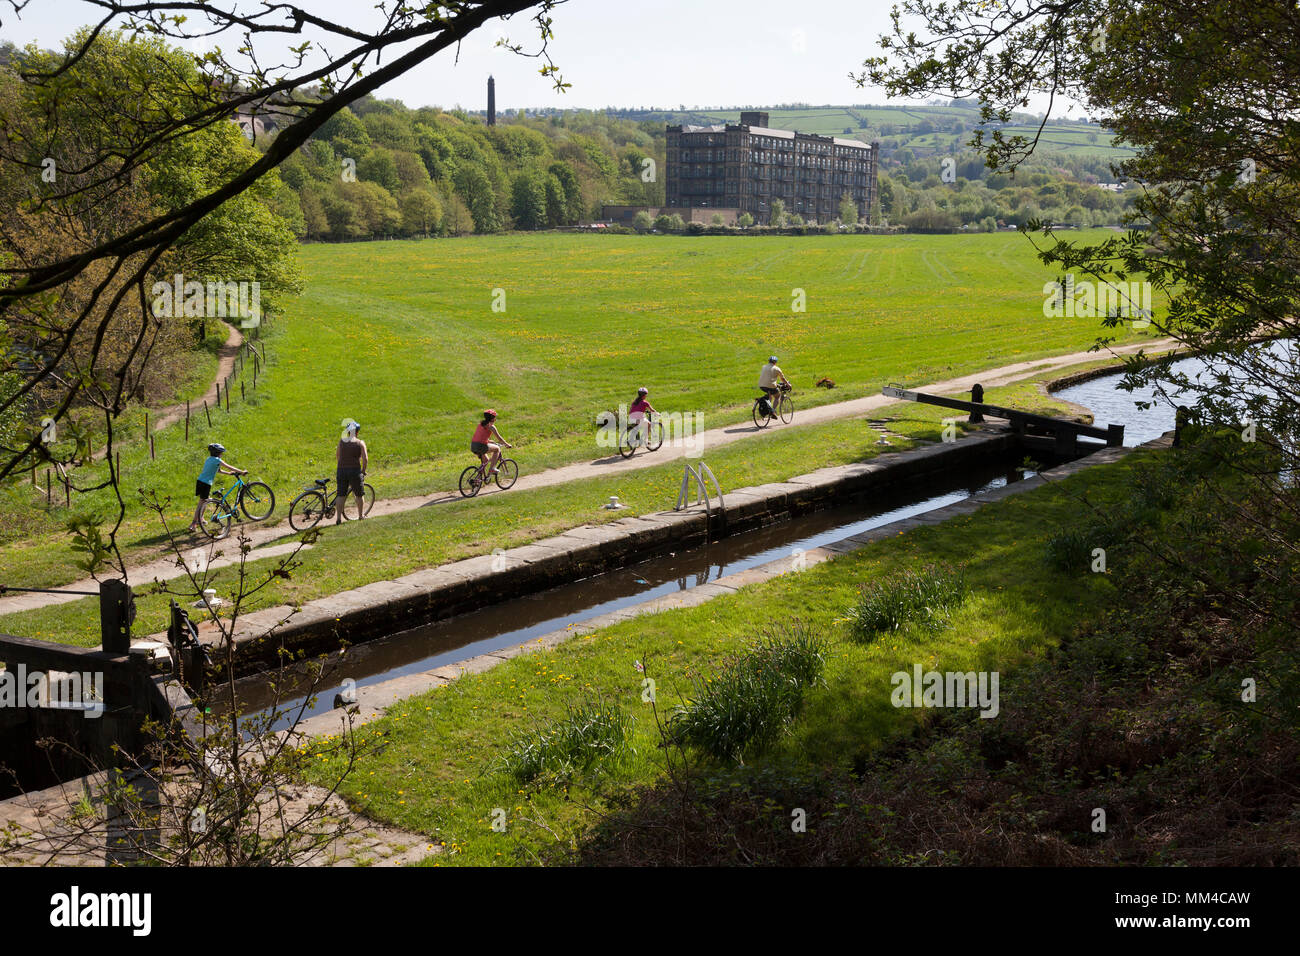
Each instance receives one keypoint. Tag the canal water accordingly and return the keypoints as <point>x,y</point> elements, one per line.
<point>517,620</point>
<point>1111,404</point>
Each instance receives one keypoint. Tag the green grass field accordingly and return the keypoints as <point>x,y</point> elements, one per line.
<point>402,336</point>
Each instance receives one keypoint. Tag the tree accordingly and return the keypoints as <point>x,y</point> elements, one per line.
<point>1203,94</point>
<point>528,206</point>
<point>476,189</point>
<point>641,222</point>
<point>456,220</point>
<point>379,166</point>
<point>745,220</point>
<point>421,211</point>
<point>848,210</point>
<point>118,259</point>
<point>776,217</point>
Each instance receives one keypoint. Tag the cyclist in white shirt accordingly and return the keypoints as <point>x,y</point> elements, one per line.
<point>769,376</point>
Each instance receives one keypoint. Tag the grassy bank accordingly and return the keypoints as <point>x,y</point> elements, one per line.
<point>440,769</point>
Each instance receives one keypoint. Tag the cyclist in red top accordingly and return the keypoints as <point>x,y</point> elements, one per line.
<point>481,443</point>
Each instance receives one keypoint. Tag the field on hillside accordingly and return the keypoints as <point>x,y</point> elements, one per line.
<point>402,336</point>
<point>1074,139</point>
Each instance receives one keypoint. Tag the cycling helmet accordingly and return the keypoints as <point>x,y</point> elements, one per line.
<point>643,390</point>
<point>772,359</point>
<point>216,449</point>
<point>489,413</point>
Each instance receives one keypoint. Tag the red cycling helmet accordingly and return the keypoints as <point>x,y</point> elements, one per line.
<point>489,413</point>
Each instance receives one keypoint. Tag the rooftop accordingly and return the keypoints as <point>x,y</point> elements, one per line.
<point>777,133</point>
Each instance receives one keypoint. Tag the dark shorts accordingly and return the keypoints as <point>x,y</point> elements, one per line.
<point>202,489</point>
<point>771,392</point>
<point>348,481</point>
<point>479,447</point>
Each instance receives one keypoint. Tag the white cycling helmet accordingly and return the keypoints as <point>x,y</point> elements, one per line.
<point>772,360</point>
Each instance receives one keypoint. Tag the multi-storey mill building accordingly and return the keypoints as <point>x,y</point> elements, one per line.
<point>747,165</point>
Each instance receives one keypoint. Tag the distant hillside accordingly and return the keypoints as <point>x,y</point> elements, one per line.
<point>925,130</point>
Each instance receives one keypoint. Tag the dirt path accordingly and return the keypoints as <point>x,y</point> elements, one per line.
<point>171,414</point>
<point>166,568</point>
<point>226,358</point>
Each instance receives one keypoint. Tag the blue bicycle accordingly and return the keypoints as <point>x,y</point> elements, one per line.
<point>254,498</point>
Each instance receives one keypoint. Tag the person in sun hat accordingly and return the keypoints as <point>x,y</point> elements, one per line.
<point>352,458</point>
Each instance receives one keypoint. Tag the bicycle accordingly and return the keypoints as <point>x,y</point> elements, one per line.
<point>315,503</point>
<point>473,478</point>
<point>647,433</point>
<point>254,498</point>
<point>781,406</point>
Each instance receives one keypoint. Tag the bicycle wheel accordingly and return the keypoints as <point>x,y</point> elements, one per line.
<point>257,500</point>
<point>628,440</point>
<point>507,473</point>
<point>760,419</point>
<point>215,519</point>
<point>655,438</point>
<point>787,409</point>
<point>349,504</point>
<point>306,510</point>
<point>469,483</point>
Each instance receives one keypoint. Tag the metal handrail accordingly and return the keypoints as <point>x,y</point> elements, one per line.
<point>700,474</point>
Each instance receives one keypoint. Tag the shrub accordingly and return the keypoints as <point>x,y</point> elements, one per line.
<point>924,597</point>
<point>1070,551</point>
<point>748,703</point>
<point>590,732</point>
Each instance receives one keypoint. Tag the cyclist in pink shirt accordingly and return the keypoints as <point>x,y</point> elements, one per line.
<point>638,410</point>
<point>481,443</point>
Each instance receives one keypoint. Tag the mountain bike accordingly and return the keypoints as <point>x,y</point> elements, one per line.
<point>780,406</point>
<point>473,478</point>
<point>254,498</point>
<point>648,433</point>
<point>317,502</point>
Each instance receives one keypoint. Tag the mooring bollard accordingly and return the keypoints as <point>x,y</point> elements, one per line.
<point>976,396</point>
<point>1181,417</point>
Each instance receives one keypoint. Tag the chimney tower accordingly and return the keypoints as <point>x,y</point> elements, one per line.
<point>492,102</point>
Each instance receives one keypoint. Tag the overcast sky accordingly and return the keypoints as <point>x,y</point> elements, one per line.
<point>651,53</point>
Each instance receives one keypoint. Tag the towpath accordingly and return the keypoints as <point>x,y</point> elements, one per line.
<point>167,567</point>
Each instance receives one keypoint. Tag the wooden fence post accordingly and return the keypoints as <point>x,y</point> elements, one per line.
<point>207,412</point>
<point>187,419</point>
